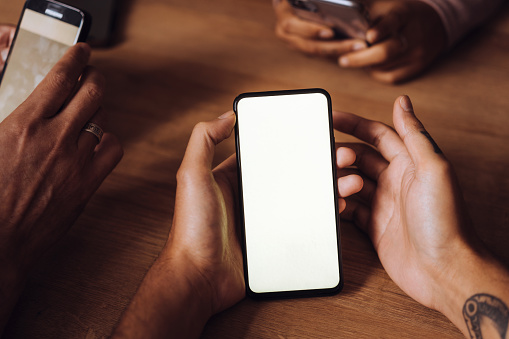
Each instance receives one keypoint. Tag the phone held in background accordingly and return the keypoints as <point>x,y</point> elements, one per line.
<point>347,18</point>
<point>288,193</point>
<point>45,31</point>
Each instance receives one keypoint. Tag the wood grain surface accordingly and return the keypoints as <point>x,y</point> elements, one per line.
<point>176,63</point>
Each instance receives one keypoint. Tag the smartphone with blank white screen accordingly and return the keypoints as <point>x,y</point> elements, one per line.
<point>45,31</point>
<point>288,193</point>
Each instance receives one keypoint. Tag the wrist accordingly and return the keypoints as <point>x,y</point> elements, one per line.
<point>473,272</point>
<point>177,271</point>
<point>170,302</point>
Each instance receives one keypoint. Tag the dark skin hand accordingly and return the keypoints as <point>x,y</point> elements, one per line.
<point>404,39</point>
<point>49,167</point>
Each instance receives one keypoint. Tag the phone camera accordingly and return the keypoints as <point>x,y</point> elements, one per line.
<point>305,5</point>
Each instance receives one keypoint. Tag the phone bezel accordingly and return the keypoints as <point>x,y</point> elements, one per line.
<point>293,293</point>
<point>71,15</point>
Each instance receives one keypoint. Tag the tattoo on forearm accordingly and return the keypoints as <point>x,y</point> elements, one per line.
<point>435,146</point>
<point>480,308</point>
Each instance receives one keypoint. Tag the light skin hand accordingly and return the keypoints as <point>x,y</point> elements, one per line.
<point>309,37</point>
<point>412,209</point>
<point>406,37</point>
<point>50,168</point>
<point>6,37</point>
<point>200,270</point>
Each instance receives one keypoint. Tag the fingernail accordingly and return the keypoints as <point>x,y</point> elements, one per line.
<point>4,54</point>
<point>344,62</point>
<point>226,115</point>
<point>371,36</point>
<point>358,46</point>
<point>406,104</point>
<point>325,34</point>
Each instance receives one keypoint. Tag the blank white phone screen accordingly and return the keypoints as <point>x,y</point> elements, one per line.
<point>288,193</point>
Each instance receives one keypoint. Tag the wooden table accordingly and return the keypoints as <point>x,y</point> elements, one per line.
<point>180,62</point>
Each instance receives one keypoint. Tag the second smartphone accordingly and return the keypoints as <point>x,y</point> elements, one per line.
<point>348,18</point>
<point>45,31</point>
<point>288,193</point>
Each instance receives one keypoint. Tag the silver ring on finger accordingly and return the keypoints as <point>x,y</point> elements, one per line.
<point>94,129</point>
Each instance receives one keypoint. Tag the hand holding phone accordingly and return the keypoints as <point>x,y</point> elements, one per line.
<point>45,31</point>
<point>311,37</point>
<point>348,18</point>
<point>288,193</point>
<point>404,38</point>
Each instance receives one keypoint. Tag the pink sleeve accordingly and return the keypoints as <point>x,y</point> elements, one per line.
<point>460,16</point>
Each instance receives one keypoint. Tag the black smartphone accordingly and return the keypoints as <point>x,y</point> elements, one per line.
<point>348,18</point>
<point>104,13</point>
<point>288,193</point>
<point>45,31</point>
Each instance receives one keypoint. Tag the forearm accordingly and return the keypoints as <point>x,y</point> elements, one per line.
<point>475,296</point>
<point>166,305</point>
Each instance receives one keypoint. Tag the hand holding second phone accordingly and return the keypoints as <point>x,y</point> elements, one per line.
<point>49,167</point>
<point>405,37</point>
<point>310,37</point>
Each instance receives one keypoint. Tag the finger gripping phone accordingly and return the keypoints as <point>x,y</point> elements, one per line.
<point>288,193</point>
<point>45,31</point>
<point>347,18</point>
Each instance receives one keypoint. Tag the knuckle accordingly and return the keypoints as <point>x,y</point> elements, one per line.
<point>61,81</point>
<point>311,49</point>
<point>286,25</point>
<point>382,129</point>
<point>200,128</point>
<point>78,55</point>
<point>184,175</point>
<point>438,167</point>
<point>23,128</point>
<point>385,54</point>
<point>94,85</point>
<point>391,78</point>
<point>94,91</point>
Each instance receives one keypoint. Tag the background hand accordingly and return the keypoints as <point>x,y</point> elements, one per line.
<point>49,167</point>
<point>310,37</point>
<point>406,36</point>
